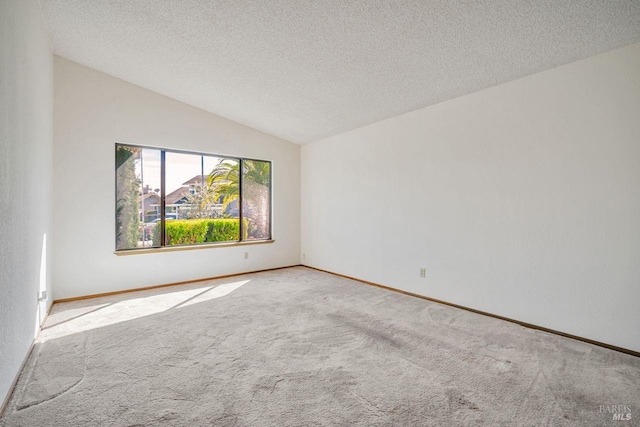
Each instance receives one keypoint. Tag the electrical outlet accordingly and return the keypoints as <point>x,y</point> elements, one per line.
<point>304,256</point>
<point>246,255</point>
<point>423,272</point>
<point>42,296</point>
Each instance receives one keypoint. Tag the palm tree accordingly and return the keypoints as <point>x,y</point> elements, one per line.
<point>225,180</point>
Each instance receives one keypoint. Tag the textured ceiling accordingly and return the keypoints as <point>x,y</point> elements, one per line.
<point>304,70</point>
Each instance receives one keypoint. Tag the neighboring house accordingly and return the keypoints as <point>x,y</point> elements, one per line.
<point>178,197</point>
<point>149,206</point>
<point>176,201</point>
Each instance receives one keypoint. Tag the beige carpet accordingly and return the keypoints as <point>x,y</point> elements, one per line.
<point>296,347</point>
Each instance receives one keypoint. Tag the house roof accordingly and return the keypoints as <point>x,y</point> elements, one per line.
<point>305,70</point>
<point>148,195</point>
<point>177,195</point>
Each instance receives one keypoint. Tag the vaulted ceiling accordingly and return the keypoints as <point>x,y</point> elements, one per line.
<point>307,69</point>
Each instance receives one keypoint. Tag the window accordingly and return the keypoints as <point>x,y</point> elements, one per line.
<point>176,198</point>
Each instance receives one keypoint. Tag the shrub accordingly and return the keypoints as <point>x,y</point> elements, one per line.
<point>194,231</point>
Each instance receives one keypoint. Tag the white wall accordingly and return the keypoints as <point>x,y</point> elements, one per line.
<point>522,200</point>
<point>26,104</point>
<point>93,111</point>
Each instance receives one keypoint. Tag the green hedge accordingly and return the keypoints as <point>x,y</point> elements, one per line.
<point>194,231</point>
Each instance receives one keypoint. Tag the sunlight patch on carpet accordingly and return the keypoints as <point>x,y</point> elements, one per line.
<point>100,315</point>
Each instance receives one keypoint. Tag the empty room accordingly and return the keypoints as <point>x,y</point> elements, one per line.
<point>319,213</point>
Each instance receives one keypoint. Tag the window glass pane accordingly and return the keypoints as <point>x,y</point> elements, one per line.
<point>137,196</point>
<point>256,198</point>
<point>127,190</point>
<point>194,212</point>
<point>222,186</point>
<point>148,171</point>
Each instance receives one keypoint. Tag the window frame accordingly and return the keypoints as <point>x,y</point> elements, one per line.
<point>163,192</point>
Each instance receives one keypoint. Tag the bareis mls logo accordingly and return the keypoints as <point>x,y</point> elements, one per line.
<point>618,412</point>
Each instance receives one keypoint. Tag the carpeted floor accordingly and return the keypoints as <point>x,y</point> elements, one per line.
<point>297,347</point>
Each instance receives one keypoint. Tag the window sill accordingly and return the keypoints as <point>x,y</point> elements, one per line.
<point>190,247</point>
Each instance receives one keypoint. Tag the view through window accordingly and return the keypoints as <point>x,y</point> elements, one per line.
<point>174,198</point>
